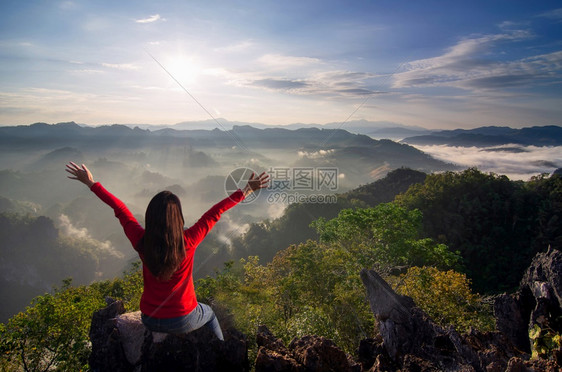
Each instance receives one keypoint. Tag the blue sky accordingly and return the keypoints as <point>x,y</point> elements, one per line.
<point>436,64</point>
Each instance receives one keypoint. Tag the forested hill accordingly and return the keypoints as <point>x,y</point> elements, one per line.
<point>495,224</point>
<point>266,238</point>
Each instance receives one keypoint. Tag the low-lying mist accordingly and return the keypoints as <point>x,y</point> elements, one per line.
<point>86,241</point>
<point>515,161</point>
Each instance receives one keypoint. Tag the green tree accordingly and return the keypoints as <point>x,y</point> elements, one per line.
<point>545,193</point>
<point>314,287</point>
<point>387,235</point>
<point>493,222</point>
<point>447,298</point>
<point>52,333</point>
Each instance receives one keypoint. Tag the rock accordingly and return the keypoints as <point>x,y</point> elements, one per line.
<point>538,300</point>
<point>308,353</point>
<point>413,363</point>
<point>120,342</point>
<point>372,354</point>
<point>512,313</point>
<point>320,354</point>
<point>199,350</point>
<point>414,342</point>
<point>393,314</point>
<point>104,336</point>
<point>267,340</point>
<point>271,361</point>
<point>519,365</point>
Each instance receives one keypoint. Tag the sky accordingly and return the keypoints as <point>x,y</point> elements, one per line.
<point>434,64</point>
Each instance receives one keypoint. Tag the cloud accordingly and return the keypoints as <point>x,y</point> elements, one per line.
<point>287,61</point>
<point>229,229</point>
<point>552,14</point>
<point>152,18</point>
<point>87,71</point>
<point>67,5</point>
<point>296,75</point>
<point>66,228</point>
<point>236,47</point>
<point>516,162</point>
<point>315,154</point>
<point>280,84</point>
<point>327,83</point>
<point>121,66</point>
<point>465,66</point>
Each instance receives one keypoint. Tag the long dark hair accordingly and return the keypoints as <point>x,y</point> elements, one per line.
<point>163,242</point>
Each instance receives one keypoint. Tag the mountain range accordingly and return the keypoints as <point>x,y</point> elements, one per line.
<point>374,129</point>
<point>550,135</point>
<point>358,154</point>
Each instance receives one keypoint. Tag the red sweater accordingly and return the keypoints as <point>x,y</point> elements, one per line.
<point>175,297</point>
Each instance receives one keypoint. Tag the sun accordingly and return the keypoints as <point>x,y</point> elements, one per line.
<point>183,68</point>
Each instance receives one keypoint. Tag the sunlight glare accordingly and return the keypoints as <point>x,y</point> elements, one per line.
<point>184,69</point>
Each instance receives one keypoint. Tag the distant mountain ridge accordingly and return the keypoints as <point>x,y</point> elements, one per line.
<point>374,129</point>
<point>346,146</point>
<point>550,135</point>
<point>106,135</point>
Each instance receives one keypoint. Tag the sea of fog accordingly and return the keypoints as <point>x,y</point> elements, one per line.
<point>515,161</point>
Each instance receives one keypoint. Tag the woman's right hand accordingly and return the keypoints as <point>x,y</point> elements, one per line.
<point>81,174</point>
<point>255,183</point>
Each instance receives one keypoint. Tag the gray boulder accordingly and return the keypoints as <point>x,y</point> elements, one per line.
<point>120,343</point>
<point>538,301</point>
<point>413,342</point>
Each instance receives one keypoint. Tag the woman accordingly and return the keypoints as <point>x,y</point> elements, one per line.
<point>168,303</point>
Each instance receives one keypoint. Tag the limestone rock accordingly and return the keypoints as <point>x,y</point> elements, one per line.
<point>413,342</point>
<point>120,342</point>
<point>106,347</point>
<point>538,300</point>
<point>199,350</point>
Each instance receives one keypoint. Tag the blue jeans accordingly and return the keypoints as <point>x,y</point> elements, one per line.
<point>201,316</point>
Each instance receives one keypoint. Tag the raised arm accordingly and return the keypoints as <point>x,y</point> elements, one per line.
<point>199,230</point>
<point>130,224</point>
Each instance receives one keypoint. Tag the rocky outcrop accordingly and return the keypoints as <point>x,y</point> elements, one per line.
<point>308,353</point>
<point>121,343</point>
<point>537,302</point>
<point>412,341</point>
<point>104,336</point>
